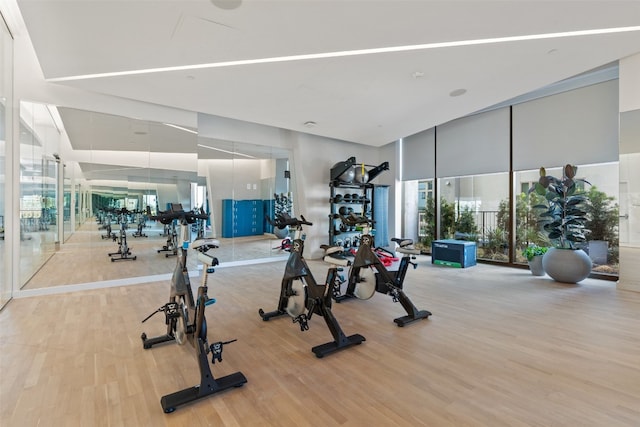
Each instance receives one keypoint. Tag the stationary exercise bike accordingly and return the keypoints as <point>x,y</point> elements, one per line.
<point>124,251</point>
<point>185,318</point>
<point>142,221</point>
<point>362,281</point>
<point>172,240</point>
<point>106,225</point>
<point>301,296</point>
<point>199,225</point>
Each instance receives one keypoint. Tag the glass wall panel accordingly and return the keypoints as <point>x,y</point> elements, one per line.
<point>39,144</point>
<point>476,208</point>
<point>113,168</point>
<point>67,207</point>
<point>630,198</point>
<point>245,184</point>
<point>6,101</point>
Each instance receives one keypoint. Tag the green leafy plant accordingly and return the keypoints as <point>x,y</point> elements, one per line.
<point>564,214</point>
<point>447,219</point>
<point>465,226</point>
<point>602,216</point>
<point>534,250</point>
<point>496,245</point>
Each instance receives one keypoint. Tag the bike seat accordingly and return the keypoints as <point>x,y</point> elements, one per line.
<point>337,259</point>
<point>208,243</point>
<point>410,251</point>
<point>405,246</point>
<point>328,250</point>
<point>402,242</point>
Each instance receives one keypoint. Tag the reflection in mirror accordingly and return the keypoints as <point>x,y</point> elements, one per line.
<point>244,182</point>
<point>630,179</point>
<point>40,139</point>
<point>114,167</point>
<point>81,170</point>
<point>5,282</point>
<point>629,224</point>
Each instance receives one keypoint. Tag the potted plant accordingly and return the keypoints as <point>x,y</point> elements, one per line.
<point>564,216</point>
<point>534,254</point>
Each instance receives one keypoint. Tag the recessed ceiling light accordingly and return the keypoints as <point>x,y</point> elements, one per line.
<point>457,92</point>
<point>310,124</point>
<point>227,4</point>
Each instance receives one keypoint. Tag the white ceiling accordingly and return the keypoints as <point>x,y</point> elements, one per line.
<point>371,98</point>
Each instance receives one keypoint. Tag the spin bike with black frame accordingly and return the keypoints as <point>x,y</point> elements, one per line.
<point>300,291</point>
<point>185,318</point>
<point>363,286</point>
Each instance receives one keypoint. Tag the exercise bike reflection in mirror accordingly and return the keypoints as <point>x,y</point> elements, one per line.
<point>301,296</point>
<point>124,250</point>
<point>185,316</point>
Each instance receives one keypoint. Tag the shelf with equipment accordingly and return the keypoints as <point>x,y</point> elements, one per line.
<point>351,191</point>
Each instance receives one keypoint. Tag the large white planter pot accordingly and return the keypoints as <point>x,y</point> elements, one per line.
<point>535,265</point>
<point>567,265</point>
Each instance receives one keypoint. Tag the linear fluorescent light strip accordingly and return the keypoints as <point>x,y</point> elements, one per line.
<point>225,151</point>
<point>180,128</point>
<point>352,53</point>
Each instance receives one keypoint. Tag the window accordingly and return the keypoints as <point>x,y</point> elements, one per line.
<point>476,208</point>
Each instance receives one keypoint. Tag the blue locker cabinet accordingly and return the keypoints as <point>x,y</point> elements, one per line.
<point>242,218</point>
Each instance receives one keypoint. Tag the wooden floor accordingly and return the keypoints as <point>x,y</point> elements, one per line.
<point>503,348</point>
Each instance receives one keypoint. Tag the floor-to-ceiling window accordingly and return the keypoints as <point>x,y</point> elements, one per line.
<point>486,163</point>
<point>601,187</point>
<point>426,215</point>
<point>476,208</point>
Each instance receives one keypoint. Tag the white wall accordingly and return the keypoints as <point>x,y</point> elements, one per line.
<point>629,277</point>
<point>313,158</point>
<point>630,83</point>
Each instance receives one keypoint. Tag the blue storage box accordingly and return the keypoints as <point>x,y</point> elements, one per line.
<point>453,253</point>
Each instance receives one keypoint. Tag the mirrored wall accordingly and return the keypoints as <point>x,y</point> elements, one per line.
<point>92,182</point>
<point>6,101</point>
<point>39,194</point>
<point>630,200</point>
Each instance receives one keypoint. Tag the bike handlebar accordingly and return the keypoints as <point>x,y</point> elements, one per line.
<point>188,217</point>
<point>283,219</point>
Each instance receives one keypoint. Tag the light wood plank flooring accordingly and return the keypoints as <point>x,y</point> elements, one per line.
<point>503,348</point>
